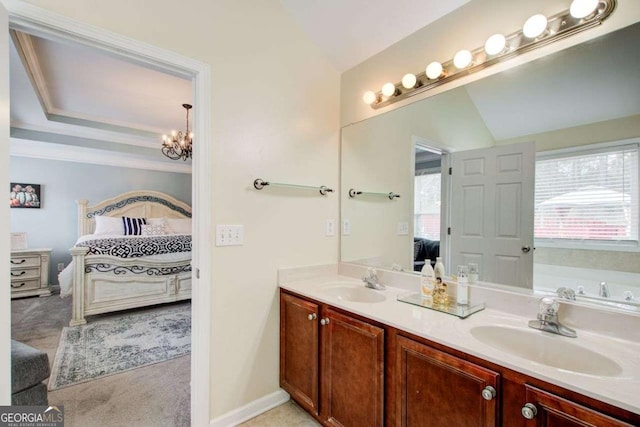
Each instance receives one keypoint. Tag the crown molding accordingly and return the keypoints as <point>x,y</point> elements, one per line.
<point>90,133</point>
<point>50,151</point>
<point>29,58</point>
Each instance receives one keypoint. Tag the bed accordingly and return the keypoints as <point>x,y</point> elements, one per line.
<point>150,263</point>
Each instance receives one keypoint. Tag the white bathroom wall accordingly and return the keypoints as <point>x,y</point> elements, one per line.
<point>276,117</point>
<point>465,28</point>
<point>377,155</point>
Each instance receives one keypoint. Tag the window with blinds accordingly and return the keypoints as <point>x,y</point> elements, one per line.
<point>427,205</point>
<point>588,195</point>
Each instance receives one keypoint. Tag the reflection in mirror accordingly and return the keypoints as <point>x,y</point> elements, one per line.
<point>581,109</point>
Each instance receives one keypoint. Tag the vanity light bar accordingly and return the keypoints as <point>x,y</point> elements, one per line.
<point>558,26</point>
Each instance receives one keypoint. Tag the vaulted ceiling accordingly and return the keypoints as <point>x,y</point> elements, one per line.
<point>94,104</point>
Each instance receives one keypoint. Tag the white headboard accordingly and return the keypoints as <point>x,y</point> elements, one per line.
<point>136,204</point>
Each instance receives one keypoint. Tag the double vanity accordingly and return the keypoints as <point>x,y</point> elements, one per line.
<point>354,356</point>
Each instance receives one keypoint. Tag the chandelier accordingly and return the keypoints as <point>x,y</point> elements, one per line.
<point>178,145</point>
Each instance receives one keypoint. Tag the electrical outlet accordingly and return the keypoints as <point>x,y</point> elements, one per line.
<point>60,267</point>
<point>330,228</point>
<point>229,235</point>
<point>346,227</point>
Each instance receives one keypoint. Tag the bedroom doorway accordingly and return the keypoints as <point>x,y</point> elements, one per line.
<point>40,23</point>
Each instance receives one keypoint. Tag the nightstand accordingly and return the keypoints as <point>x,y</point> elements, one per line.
<point>30,273</point>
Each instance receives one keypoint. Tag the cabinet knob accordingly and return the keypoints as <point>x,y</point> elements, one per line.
<point>18,286</point>
<point>529,411</point>
<point>18,274</point>
<point>324,322</point>
<point>22,261</point>
<point>312,316</point>
<point>489,393</point>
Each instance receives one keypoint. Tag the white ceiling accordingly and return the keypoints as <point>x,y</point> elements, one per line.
<point>593,82</point>
<point>74,95</point>
<point>351,31</point>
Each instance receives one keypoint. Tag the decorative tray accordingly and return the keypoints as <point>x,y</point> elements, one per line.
<point>461,311</point>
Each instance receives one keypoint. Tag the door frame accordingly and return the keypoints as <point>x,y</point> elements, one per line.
<point>445,189</point>
<point>37,21</point>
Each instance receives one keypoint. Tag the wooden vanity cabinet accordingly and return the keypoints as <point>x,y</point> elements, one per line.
<point>331,363</point>
<point>438,389</point>
<point>300,351</point>
<point>544,409</point>
<point>348,371</point>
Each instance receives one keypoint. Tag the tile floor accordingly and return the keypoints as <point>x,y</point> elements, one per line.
<point>285,415</point>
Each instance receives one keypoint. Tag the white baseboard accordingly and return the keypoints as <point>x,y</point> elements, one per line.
<point>251,409</point>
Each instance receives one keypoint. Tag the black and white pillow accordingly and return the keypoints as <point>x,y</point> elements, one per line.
<point>133,226</point>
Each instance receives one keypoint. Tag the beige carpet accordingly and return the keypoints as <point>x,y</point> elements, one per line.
<point>156,395</point>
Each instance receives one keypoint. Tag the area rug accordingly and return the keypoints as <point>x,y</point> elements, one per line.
<point>120,343</point>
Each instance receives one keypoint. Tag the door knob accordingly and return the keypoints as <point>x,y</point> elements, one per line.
<point>529,411</point>
<point>488,393</point>
<point>526,249</point>
<point>312,316</point>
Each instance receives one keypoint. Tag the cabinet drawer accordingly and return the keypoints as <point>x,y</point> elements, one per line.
<point>24,285</point>
<point>20,262</point>
<point>25,273</point>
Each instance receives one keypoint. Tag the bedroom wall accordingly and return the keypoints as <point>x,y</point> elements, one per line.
<point>275,116</point>
<point>54,225</point>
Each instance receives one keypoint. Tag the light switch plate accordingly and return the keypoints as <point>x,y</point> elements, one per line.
<point>403,228</point>
<point>346,227</point>
<point>330,228</point>
<point>229,235</point>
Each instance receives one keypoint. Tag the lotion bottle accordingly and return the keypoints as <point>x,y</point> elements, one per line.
<point>462,296</point>
<point>427,279</point>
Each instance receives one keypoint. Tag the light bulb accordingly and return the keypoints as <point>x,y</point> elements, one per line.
<point>409,81</point>
<point>535,26</point>
<point>369,97</point>
<point>388,89</point>
<point>174,133</point>
<point>434,70</point>
<point>582,8</point>
<point>495,44</point>
<point>462,59</point>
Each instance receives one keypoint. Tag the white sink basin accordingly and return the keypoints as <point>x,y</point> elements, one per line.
<point>354,293</point>
<point>536,346</point>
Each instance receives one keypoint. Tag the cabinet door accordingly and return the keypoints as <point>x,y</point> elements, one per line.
<point>299,350</point>
<point>352,371</point>
<point>549,410</point>
<point>437,389</point>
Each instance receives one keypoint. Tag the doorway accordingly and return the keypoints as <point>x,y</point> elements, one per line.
<point>42,23</point>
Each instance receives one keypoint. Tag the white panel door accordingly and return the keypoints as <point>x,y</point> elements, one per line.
<point>492,212</point>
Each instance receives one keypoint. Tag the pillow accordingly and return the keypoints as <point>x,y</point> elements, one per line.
<point>179,225</point>
<point>154,229</point>
<point>162,222</point>
<point>133,226</point>
<point>108,225</point>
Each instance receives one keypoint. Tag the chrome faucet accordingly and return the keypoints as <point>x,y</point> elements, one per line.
<point>548,319</point>
<point>604,290</point>
<point>371,280</point>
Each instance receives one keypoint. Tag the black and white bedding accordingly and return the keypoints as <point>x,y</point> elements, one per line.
<point>137,246</point>
<point>160,250</point>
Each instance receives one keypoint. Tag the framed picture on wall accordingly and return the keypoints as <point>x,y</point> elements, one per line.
<point>25,195</point>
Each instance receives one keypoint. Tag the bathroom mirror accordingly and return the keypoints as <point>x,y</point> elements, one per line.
<point>585,95</point>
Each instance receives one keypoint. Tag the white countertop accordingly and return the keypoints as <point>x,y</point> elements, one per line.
<point>622,390</point>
